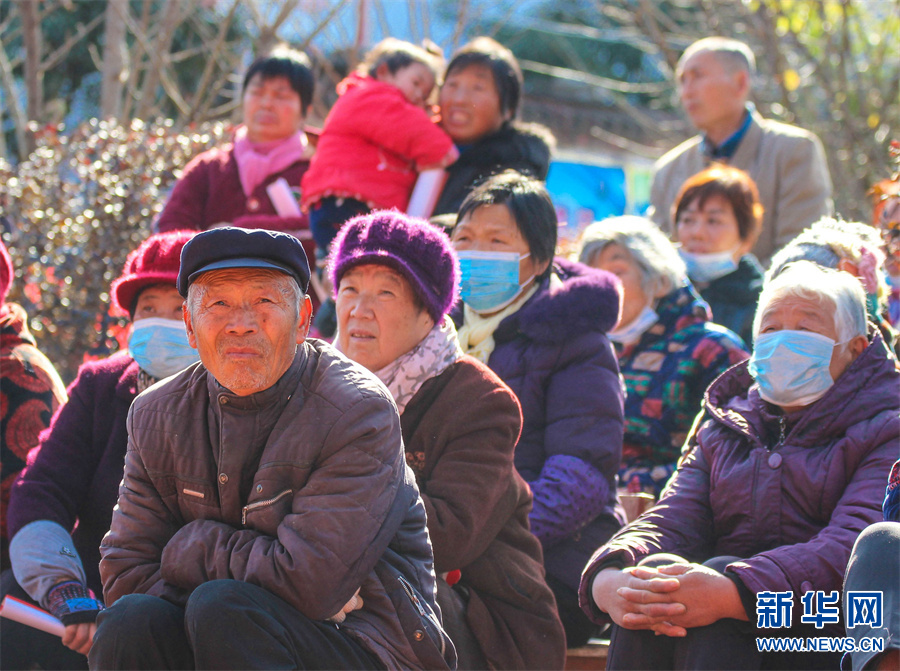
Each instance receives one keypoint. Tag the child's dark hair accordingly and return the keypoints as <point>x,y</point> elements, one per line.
<point>502,64</point>
<point>529,204</point>
<point>289,63</point>
<point>397,54</point>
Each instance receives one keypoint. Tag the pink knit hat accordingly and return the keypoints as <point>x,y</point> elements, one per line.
<point>155,261</point>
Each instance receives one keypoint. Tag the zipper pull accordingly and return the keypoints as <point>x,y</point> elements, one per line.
<point>244,516</point>
<point>410,592</point>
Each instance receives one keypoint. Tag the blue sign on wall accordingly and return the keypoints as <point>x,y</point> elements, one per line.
<point>584,193</point>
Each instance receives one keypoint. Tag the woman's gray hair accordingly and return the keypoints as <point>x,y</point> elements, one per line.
<point>652,250</point>
<point>826,242</point>
<point>809,281</point>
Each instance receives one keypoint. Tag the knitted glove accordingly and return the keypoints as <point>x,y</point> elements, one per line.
<point>73,603</point>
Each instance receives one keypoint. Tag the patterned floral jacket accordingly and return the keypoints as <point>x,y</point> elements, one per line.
<point>30,392</point>
<point>666,373</point>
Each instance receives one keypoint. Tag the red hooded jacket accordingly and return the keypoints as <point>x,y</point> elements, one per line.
<point>372,143</point>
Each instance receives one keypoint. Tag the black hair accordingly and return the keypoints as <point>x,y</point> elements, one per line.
<point>529,204</point>
<point>500,61</point>
<point>397,54</point>
<point>291,64</point>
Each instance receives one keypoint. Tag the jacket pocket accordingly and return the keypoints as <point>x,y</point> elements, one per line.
<point>266,514</point>
<point>423,630</point>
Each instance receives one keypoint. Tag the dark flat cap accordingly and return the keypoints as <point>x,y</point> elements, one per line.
<point>230,247</point>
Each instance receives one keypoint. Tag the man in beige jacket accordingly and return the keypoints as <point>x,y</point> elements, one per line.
<point>787,163</point>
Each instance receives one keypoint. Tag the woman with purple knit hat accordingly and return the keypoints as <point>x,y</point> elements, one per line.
<point>395,280</point>
<point>62,503</point>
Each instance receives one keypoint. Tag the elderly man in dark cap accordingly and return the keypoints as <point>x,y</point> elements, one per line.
<point>266,518</point>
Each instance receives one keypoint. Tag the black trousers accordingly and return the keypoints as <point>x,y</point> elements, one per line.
<point>726,645</point>
<point>24,647</point>
<point>579,628</point>
<point>226,624</point>
<point>453,613</point>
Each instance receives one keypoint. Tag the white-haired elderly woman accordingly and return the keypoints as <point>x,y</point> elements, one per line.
<point>853,247</point>
<point>784,472</point>
<point>668,349</point>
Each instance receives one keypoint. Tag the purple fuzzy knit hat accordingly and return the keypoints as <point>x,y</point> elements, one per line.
<point>414,248</point>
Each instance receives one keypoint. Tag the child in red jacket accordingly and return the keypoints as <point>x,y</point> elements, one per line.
<point>376,139</point>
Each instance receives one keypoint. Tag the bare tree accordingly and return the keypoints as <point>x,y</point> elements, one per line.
<point>113,58</point>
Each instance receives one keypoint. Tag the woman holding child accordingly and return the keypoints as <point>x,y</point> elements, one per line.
<point>784,472</point>
<point>376,139</point>
<point>396,279</point>
<point>479,99</point>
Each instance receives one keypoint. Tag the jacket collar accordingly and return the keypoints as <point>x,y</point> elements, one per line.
<point>126,387</point>
<point>278,393</point>
<point>741,285</point>
<point>746,151</point>
<point>677,311</point>
<point>14,326</point>
<point>727,149</point>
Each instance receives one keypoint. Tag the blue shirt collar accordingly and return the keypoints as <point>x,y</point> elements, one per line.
<point>727,148</point>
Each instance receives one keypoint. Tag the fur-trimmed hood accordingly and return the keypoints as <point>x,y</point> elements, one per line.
<point>527,144</point>
<point>588,300</point>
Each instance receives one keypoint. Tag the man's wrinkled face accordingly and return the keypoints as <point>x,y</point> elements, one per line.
<point>246,324</point>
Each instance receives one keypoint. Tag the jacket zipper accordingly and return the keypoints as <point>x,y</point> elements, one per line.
<point>250,507</point>
<point>410,592</point>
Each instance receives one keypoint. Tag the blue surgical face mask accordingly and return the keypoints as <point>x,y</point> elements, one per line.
<point>792,367</point>
<point>160,346</point>
<point>631,333</point>
<point>708,267</point>
<point>490,280</point>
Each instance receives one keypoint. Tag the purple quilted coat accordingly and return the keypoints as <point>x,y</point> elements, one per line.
<point>793,509</point>
<point>554,354</point>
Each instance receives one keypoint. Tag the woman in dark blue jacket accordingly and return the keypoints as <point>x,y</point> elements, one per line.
<point>540,324</point>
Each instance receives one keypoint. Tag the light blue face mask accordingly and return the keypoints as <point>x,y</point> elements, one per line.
<point>631,333</point>
<point>792,367</point>
<point>708,267</point>
<point>490,280</point>
<point>160,346</point>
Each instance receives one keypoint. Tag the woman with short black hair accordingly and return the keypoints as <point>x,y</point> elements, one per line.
<point>540,324</point>
<point>229,184</point>
<point>479,101</point>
